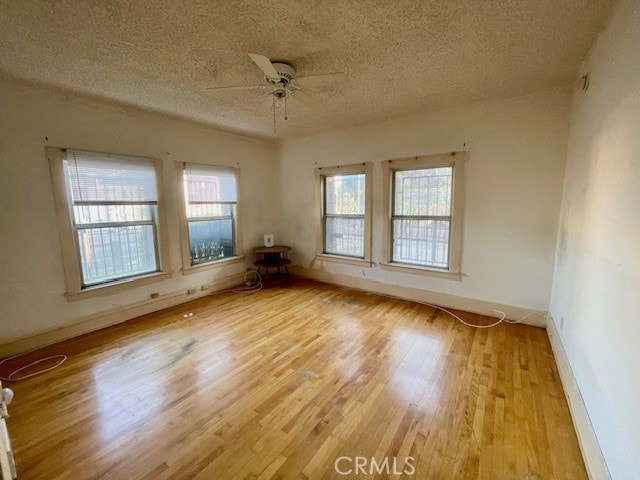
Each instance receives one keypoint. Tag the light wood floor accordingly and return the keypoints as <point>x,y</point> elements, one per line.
<point>281,383</point>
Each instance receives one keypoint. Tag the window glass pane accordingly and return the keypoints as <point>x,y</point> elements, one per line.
<point>105,177</point>
<point>423,192</point>
<point>84,214</point>
<point>200,210</point>
<point>421,242</point>
<point>110,253</point>
<point>344,236</point>
<point>344,194</point>
<point>208,184</point>
<point>210,240</point>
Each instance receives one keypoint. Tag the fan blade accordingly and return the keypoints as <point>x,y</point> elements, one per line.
<point>265,65</point>
<point>306,99</point>
<point>317,81</point>
<point>238,87</point>
<point>265,107</point>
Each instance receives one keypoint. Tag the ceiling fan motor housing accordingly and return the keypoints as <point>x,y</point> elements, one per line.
<point>286,73</point>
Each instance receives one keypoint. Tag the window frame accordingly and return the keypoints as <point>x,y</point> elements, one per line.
<point>68,238</point>
<point>321,174</point>
<point>457,161</point>
<point>187,267</point>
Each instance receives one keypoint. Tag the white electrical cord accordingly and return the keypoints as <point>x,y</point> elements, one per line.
<point>255,285</point>
<point>250,286</point>
<point>11,377</point>
<point>501,319</point>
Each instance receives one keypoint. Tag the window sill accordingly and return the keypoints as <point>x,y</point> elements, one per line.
<point>117,286</point>
<point>346,260</point>
<point>212,265</point>
<point>432,272</point>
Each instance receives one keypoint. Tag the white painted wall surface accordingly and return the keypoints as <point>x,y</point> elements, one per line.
<point>516,155</point>
<point>596,289</point>
<point>31,276</point>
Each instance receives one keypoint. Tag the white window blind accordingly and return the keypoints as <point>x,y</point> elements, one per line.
<point>114,200</point>
<point>211,199</point>
<point>97,177</point>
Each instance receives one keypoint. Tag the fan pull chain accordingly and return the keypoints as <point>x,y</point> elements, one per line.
<point>285,106</point>
<point>274,114</point>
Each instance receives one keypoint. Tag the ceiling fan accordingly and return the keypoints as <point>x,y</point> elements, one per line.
<point>281,83</point>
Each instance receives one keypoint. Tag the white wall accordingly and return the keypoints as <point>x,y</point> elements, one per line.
<point>596,288</point>
<point>31,276</point>
<point>516,154</point>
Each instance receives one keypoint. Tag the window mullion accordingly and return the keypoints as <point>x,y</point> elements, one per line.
<point>422,217</point>
<point>209,219</point>
<point>108,203</point>
<point>134,223</point>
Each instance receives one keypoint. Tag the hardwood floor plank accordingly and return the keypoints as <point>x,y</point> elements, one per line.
<point>281,383</point>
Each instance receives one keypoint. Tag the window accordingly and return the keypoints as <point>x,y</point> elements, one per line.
<point>345,227</point>
<point>210,215</point>
<point>424,227</point>
<point>421,219</point>
<point>344,215</point>
<point>109,208</point>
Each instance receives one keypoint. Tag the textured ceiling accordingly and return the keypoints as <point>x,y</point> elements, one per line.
<point>400,57</point>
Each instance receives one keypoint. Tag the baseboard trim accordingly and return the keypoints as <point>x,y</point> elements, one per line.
<point>591,452</point>
<point>112,317</point>
<point>424,296</point>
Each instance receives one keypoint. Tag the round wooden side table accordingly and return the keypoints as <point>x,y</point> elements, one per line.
<point>272,258</point>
